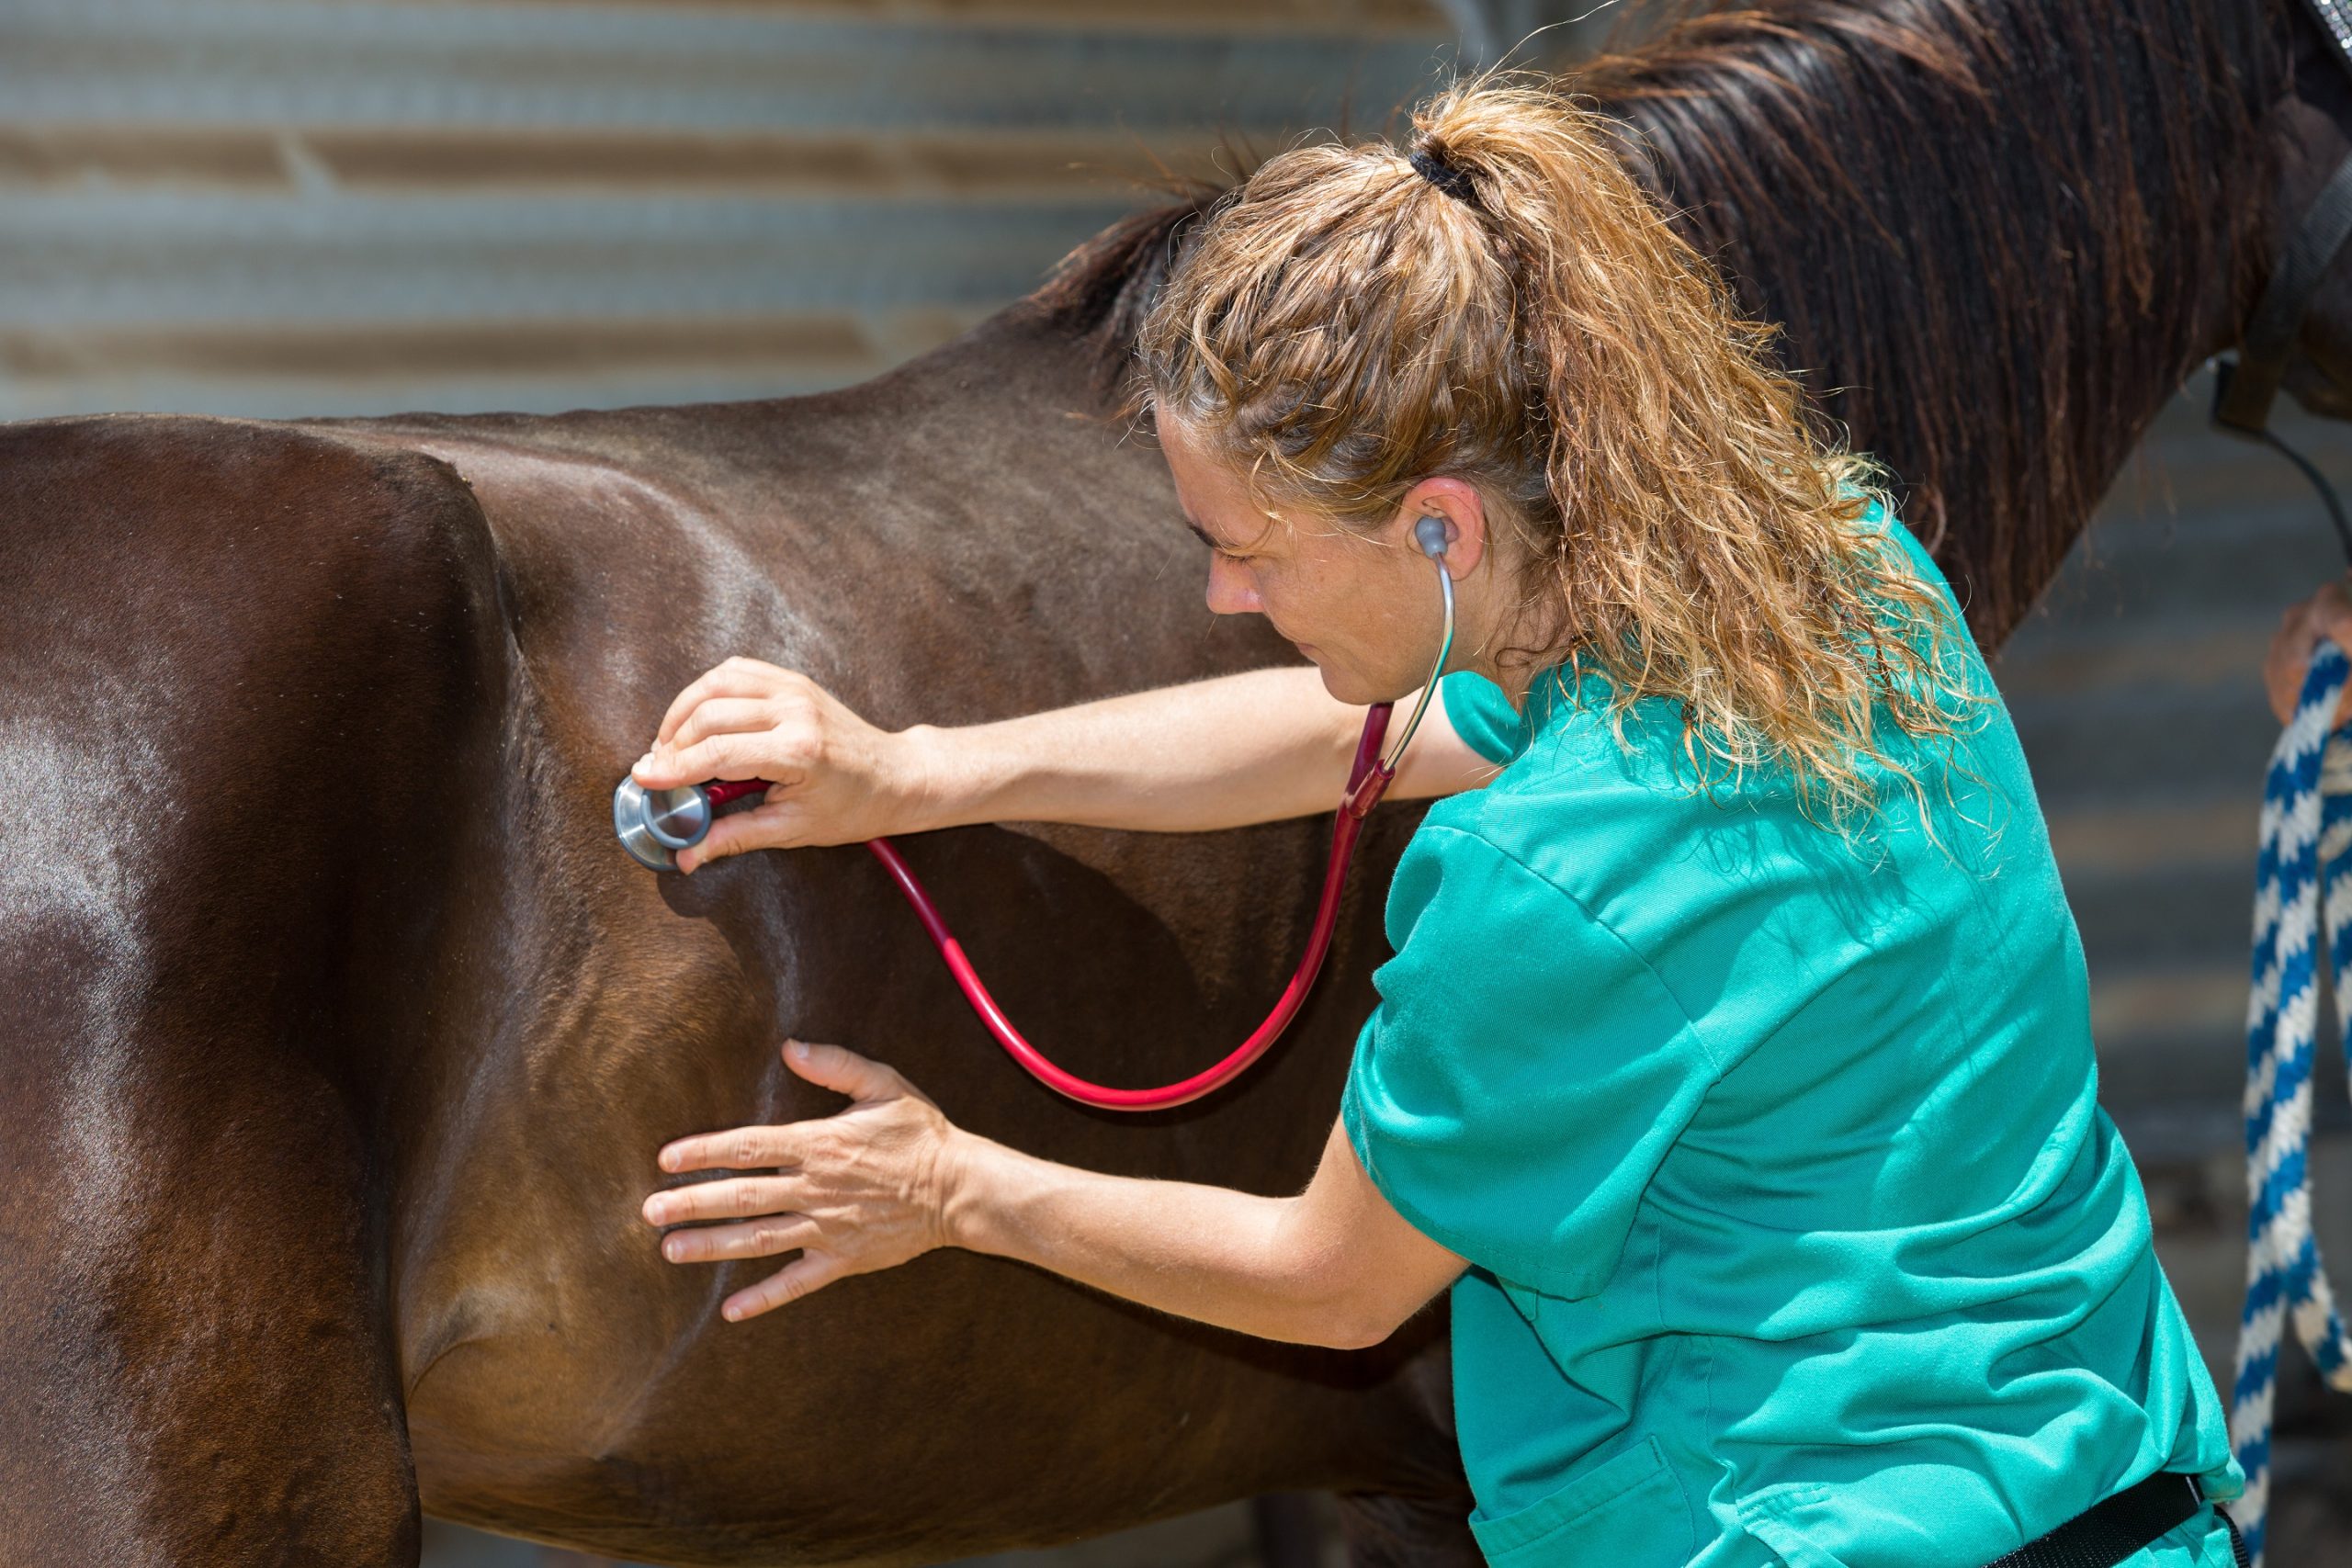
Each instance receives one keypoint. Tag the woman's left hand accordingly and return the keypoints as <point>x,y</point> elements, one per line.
<point>862,1189</point>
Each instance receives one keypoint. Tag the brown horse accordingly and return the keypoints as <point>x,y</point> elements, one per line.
<point>343,1034</point>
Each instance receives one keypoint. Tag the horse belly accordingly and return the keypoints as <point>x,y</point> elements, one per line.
<point>954,1406</point>
<point>566,1383</point>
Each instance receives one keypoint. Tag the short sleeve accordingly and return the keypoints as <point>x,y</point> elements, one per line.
<point>1525,1072</point>
<point>1482,716</point>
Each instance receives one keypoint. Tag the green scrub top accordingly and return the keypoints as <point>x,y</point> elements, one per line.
<point>1796,1232</point>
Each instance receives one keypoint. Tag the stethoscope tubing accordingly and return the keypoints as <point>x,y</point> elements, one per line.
<point>1368,771</point>
<point>643,832</point>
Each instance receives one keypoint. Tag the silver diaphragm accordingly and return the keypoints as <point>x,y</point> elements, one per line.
<point>653,825</point>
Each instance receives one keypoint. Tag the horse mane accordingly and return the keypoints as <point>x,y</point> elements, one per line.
<point>1987,279</point>
<point>1099,292</point>
<point>1982,279</point>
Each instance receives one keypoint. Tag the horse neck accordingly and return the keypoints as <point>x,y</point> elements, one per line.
<point>1994,231</point>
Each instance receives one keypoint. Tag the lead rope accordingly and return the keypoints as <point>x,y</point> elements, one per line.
<point>2301,874</point>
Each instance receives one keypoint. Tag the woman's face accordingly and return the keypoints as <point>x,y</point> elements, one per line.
<point>1363,607</point>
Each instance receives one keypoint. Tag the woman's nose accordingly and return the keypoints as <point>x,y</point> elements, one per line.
<point>1231,589</point>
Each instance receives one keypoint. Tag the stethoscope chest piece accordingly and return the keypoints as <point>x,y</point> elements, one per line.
<point>655,824</point>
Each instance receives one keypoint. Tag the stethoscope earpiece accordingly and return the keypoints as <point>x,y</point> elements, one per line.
<point>1429,533</point>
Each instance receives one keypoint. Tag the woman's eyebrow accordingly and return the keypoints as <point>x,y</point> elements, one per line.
<point>1200,534</point>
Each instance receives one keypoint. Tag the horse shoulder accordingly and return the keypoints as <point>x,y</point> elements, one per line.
<point>233,650</point>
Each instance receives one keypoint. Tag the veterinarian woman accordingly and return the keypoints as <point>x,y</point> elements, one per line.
<point>1733,1068</point>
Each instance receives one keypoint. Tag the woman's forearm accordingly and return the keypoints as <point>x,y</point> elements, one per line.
<point>1255,747</point>
<point>1219,1257</point>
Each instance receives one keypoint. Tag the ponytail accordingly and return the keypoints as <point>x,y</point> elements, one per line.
<point>1501,300</point>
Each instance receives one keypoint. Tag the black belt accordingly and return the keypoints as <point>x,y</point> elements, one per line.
<point>2106,1533</point>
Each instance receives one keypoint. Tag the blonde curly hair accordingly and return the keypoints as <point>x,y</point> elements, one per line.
<point>1342,327</point>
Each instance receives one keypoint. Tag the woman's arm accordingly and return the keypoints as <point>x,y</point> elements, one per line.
<point>889,1178</point>
<point>1334,1265</point>
<point>1256,747</point>
<point>1218,753</point>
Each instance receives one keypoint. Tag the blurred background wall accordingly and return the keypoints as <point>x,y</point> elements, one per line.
<point>276,207</point>
<point>306,207</point>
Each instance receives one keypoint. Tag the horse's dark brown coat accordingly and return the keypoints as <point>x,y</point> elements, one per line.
<point>352,1034</point>
<point>342,1034</point>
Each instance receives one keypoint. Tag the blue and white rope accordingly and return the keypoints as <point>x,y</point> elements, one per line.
<point>2303,886</point>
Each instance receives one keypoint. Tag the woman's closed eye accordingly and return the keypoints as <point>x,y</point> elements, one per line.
<point>1215,547</point>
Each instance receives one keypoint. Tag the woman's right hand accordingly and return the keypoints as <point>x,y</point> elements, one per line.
<point>836,779</point>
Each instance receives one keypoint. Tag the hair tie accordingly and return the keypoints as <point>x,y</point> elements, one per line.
<point>1445,176</point>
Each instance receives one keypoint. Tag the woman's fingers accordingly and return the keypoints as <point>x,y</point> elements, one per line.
<point>809,1272</point>
<point>843,1071</point>
<point>732,678</point>
<point>866,1188</point>
<point>848,779</point>
<point>739,1148</point>
<point>733,755</point>
<point>723,715</point>
<point>772,825</point>
<point>737,1198</point>
<point>743,719</point>
<point>763,1237</point>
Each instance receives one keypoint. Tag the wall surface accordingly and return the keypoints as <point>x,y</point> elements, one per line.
<point>281,206</point>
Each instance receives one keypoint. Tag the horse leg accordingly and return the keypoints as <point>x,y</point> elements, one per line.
<point>198,1372</point>
<point>213,913</point>
<point>1379,1531</point>
<point>1388,1531</point>
<point>1286,1529</point>
<point>1425,1521</point>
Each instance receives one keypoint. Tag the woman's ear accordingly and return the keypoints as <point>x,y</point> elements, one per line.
<point>1464,512</point>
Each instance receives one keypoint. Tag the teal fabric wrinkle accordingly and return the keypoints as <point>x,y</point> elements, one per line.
<point>1706,1092</point>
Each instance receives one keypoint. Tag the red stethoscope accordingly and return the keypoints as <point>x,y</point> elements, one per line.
<point>653,825</point>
